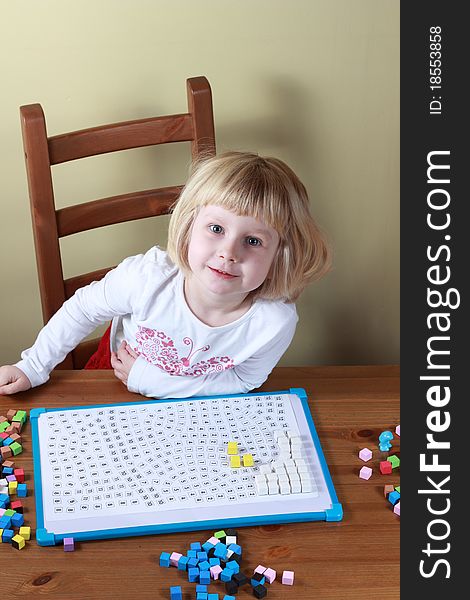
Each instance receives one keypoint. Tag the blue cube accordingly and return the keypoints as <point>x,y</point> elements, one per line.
<point>202,556</point>
<point>201,588</point>
<point>226,575</point>
<point>220,550</point>
<point>176,593</point>
<point>182,563</point>
<point>17,520</point>
<point>207,546</point>
<point>229,597</point>
<point>233,565</point>
<point>212,596</point>
<point>5,522</point>
<point>191,553</point>
<point>192,562</point>
<point>195,546</point>
<point>193,574</point>
<point>235,548</point>
<point>393,497</point>
<point>204,566</point>
<point>7,535</point>
<point>260,581</point>
<point>21,490</point>
<point>205,577</point>
<point>7,471</point>
<point>165,559</point>
<point>201,596</point>
<point>214,561</point>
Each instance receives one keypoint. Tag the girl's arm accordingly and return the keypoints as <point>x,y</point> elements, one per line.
<point>77,318</point>
<point>90,307</point>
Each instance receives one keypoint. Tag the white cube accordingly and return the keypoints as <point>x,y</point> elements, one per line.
<point>295,486</point>
<point>273,488</point>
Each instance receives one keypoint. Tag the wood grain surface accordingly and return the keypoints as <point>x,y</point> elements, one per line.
<point>357,558</point>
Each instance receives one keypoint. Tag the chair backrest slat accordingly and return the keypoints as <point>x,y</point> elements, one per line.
<point>117,209</point>
<point>120,136</point>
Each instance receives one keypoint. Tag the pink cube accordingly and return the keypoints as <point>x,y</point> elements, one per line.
<point>260,569</point>
<point>397,430</point>
<point>270,575</point>
<point>396,509</point>
<point>69,545</point>
<point>213,540</point>
<point>288,577</point>
<point>174,558</point>
<point>365,454</point>
<point>215,571</point>
<point>365,473</point>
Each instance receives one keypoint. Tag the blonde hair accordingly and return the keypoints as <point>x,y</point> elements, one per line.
<point>266,189</point>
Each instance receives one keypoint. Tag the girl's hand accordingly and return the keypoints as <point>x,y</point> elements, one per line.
<point>122,361</point>
<point>12,380</point>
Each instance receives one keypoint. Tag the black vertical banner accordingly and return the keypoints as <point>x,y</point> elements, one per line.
<point>435,251</point>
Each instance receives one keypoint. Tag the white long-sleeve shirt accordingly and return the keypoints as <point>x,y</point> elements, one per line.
<point>179,355</point>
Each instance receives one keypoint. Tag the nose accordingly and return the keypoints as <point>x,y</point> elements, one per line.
<point>228,251</point>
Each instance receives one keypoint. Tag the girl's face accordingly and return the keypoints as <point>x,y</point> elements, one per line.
<point>230,254</point>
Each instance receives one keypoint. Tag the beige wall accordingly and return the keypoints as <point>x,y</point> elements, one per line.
<point>314,82</point>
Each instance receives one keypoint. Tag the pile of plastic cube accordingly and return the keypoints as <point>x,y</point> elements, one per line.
<point>12,481</point>
<point>217,562</point>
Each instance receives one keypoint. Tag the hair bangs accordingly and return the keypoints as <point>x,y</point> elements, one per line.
<point>247,191</point>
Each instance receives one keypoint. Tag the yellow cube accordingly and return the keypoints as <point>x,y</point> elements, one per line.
<point>234,462</point>
<point>232,448</point>
<point>25,533</point>
<point>12,487</point>
<point>248,460</point>
<point>17,541</point>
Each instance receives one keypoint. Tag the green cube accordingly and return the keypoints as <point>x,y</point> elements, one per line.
<point>394,460</point>
<point>20,416</point>
<point>220,534</point>
<point>397,489</point>
<point>4,425</point>
<point>9,512</point>
<point>16,448</point>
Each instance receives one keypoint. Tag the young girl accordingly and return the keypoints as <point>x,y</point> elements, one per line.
<point>213,314</point>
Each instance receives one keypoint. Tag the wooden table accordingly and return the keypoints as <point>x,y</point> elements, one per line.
<point>357,558</point>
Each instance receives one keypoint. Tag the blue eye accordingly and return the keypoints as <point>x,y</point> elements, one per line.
<point>252,241</point>
<point>216,228</point>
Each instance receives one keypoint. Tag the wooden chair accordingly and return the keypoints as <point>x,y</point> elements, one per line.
<point>50,224</point>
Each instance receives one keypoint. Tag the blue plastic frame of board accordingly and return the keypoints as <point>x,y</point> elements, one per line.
<point>45,538</point>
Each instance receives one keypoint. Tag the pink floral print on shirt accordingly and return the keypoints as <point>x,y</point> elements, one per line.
<point>159,349</point>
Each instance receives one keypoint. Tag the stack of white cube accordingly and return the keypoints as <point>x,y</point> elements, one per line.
<point>287,475</point>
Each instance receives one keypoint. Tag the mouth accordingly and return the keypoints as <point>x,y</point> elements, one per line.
<point>222,274</point>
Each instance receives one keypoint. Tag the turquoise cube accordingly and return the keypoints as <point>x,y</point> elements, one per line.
<point>165,559</point>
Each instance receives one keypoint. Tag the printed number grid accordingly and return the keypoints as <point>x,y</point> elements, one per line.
<point>157,456</point>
